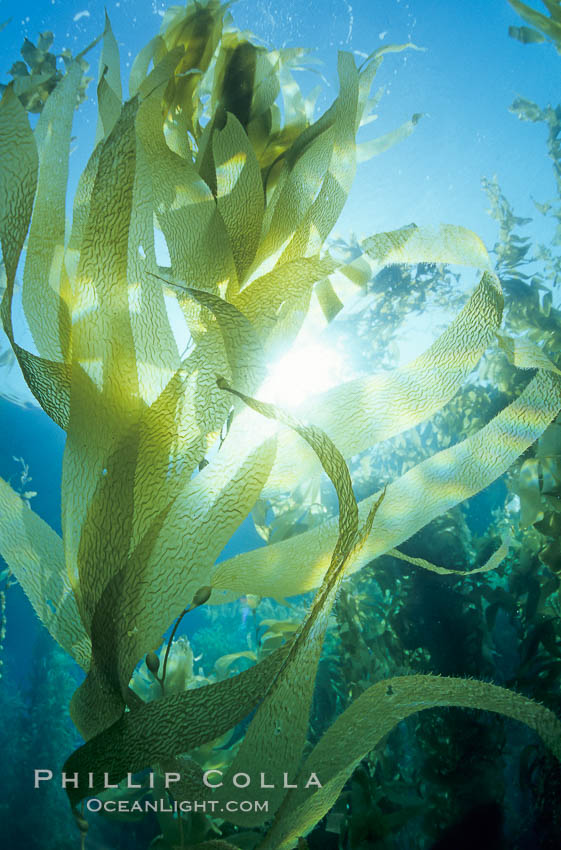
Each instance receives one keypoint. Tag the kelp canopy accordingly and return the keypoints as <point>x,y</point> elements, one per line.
<point>244,194</point>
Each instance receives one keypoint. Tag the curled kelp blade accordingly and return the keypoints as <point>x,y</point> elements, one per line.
<point>423,493</point>
<point>159,577</point>
<point>277,734</point>
<point>525,354</point>
<point>494,561</point>
<point>163,728</point>
<point>34,554</point>
<point>370,718</point>
<point>276,302</point>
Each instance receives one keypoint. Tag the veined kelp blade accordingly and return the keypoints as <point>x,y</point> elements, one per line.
<point>185,208</point>
<point>166,727</point>
<point>35,555</point>
<point>450,244</point>
<point>525,354</point>
<point>423,493</point>
<point>105,401</point>
<point>239,191</point>
<point>138,500</point>
<point>109,90</point>
<point>385,404</point>
<point>45,286</point>
<point>370,718</point>
<point>48,380</point>
<point>277,734</point>
<point>314,181</point>
<point>277,302</point>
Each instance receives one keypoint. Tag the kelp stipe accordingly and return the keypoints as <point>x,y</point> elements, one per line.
<point>245,204</point>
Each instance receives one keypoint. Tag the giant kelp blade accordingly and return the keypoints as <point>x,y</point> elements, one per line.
<point>385,404</point>
<point>45,290</point>
<point>494,561</point>
<point>109,90</point>
<point>105,401</point>
<point>34,553</point>
<point>314,181</point>
<point>49,381</point>
<point>137,502</point>
<point>423,493</point>
<point>370,718</point>
<point>169,726</point>
<point>375,147</point>
<point>551,27</point>
<point>239,191</point>
<point>277,302</point>
<point>277,734</point>
<point>157,580</point>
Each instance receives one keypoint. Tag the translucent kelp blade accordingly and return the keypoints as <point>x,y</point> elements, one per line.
<point>177,429</point>
<point>374,147</point>
<point>139,69</point>
<point>491,563</point>
<point>105,400</point>
<point>423,493</point>
<point>159,578</point>
<point>169,726</point>
<point>34,553</point>
<point>156,348</point>
<point>370,718</point>
<point>80,214</point>
<point>277,734</point>
<point>525,354</point>
<point>185,208</point>
<point>324,212</point>
<point>450,244</point>
<point>315,179</point>
<point>239,191</point>
<point>109,90</point>
<point>44,278</point>
<point>277,302</point>
<point>47,380</point>
<point>135,591</point>
<point>385,404</point>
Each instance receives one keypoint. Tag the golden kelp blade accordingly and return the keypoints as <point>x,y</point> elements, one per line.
<point>34,554</point>
<point>385,404</point>
<point>426,491</point>
<point>45,284</point>
<point>48,380</point>
<point>209,508</point>
<point>370,718</point>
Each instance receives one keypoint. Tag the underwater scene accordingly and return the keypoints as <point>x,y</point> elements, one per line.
<point>280,405</point>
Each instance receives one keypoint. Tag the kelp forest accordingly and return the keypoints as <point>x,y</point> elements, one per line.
<point>383,662</point>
